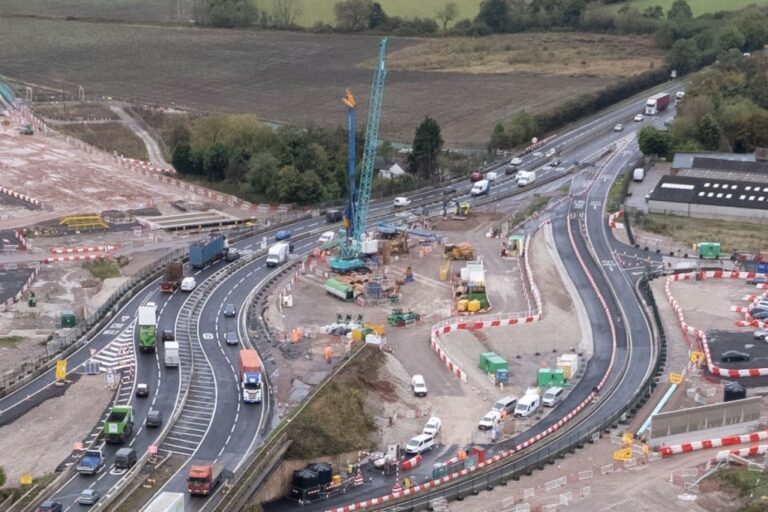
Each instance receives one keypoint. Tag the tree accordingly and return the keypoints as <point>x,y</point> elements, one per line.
<point>495,14</point>
<point>679,11</point>
<point>655,12</point>
<point>216,162</point>
<point>684,56</point>
<point>377,17</point>
<point>653,141</point>
<point>730,37</point>
<point>447,14</point>
<point>352,15</point>
<point>521,128</point>
<point>427,143</point>
<point>260,178</point>
<point>385,150</point>
<point>285,12</point>
<point>708,133</point>
<point>182,158</point>
<point>232,13</point>
<point>499,138</point>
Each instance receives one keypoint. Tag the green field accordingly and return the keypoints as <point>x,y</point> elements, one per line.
<point>698,6</point>
<point>322,10</point>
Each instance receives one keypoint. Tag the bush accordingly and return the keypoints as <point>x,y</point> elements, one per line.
<point>102,269</point>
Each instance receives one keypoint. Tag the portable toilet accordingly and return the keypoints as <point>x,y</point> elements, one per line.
<point>68,319</point>
<point>570,365</point>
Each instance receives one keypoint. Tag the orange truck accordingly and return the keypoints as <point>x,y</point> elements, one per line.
<point>250,376</point>
<point>203,478</point>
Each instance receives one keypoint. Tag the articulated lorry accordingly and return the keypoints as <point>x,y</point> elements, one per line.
<point>174,273</point>
<point>171,352</point>
<point>203,478</point>
<point>657,103</point>
<point>91,462</point>
<point>147,327</point>
<point>250,376</point>
<point>167,502</point>
<point>206,251</point>
<point>119,425</point>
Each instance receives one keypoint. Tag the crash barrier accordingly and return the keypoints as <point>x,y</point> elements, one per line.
<point>5,306</point>
<point>699,335</point>
<point>713,443</point>
<point>724,455</point>
<point>31,201</point>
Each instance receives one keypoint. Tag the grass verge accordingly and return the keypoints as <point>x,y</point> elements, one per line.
<point>141,495</point>
<point>108,137</point>
<point>74,111</point>
<point>617,193</point>
<point>9,341</point>
<point>536,205</point>
<point>732,235</point>
<point>751,486</point>
<point>316,433</point>
<point>102,269</point>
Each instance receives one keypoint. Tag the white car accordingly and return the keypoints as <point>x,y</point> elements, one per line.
<point>402,201</point>
<point>418,385</point>
<point>432,426</point>
<point>761,334</point>
<point>639,117</point>
<point>618,127</point>
<point>516,161</point>
<point>188,284</point>
<point>489,420</point>
<point>327,237</point>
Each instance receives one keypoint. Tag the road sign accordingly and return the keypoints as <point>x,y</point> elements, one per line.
<point>627,437</point>
<point>676,378</point>
<point>623,455</point>
<point>207,336</point>
<point>152,449</point>
<point>61,369</point>
<point>26,480</point>
<point>697,357</point>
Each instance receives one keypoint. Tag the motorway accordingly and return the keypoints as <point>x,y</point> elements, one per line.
<point>237,429</point>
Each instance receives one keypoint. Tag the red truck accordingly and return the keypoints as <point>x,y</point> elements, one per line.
<point>656,103</point>
<point>203,478</point>
<point>174,272</point>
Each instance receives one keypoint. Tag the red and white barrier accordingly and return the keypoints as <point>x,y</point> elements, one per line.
<point>713,443</point>
<point>79,250</point>
<point>412,462</point>
<point>23,197</point>
<point>23,242</point>
<point>5,306</point>
<point>78,257</point>
<point>612,220</point>
<point>753,451</point>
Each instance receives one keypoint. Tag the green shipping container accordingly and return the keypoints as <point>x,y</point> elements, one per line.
<point>484,360</point>
<point>68,319</point>
<point>496,363</point>
<point>549,377</point>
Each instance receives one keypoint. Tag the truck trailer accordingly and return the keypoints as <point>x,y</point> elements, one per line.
<point>203,478</point>
<point>657,103</point>
<point>250,376</point>
<point>147,327</point>
<point>206,251</point>
<point>174,272</point>
<point>119,425</point>
<point>167,502</point>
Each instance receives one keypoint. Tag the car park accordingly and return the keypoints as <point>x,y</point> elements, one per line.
<point>734,355</point>
<point>420,444</point>
<point>283,234</point>
<point>418,385</point>
<point>142,390</point>
<point>230,310</point>
<point>168,335</point>
<point>231,338</point>
<point>154,418</point>
<point>639,117</point>
<point>88,497</point>
<point>618,127</point>
<point>49,506</point>
<point>757,280</point>
<point>761,334</point>
<point>432,427</point>
<point>490,419</point>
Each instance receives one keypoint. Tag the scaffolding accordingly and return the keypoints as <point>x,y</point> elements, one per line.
<point>80,222</point>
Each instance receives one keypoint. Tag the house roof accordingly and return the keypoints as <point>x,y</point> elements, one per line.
<point>715,192</point>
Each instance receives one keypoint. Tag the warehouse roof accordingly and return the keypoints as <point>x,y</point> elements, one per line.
<point>693,190</point>
<point>688,160</point>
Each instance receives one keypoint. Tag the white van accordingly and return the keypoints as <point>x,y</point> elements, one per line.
<point>418,385</point>
<point>401,201</point>
<point>638,174</point>
<point>491,175</point>
<point>552,396</point>
<point>420,444</point>
<point>527,405</point>
<point>188,284</point>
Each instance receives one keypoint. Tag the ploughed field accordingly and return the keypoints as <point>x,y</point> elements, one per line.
<point>293,77</point>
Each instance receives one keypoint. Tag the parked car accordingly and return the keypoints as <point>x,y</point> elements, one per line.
<point>734,355</point>
<point>142,390</point>
<point>759,315</point>
<point>49,506</point>
<point>420,444</point>
<point>490,419</point>
<point>761,334</point>
<point>283,234</point>
<point>552,396</point>
<point>230,310</point>
<point>757,280</point>
<point>88,497</point>
<point>231,338</point>
<point>618,127</point>
<point>432,427</point>
<point>154,418</point>
<point>505,405</point>
<point>639,117</point>
<point>418,385</point>
<point>168,335</point>
<point>401,201</point>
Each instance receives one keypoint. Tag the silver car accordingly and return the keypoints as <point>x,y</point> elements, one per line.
<point>88,497</point>
<point>761,334</point>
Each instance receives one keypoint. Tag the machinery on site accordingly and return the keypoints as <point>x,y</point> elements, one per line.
<point>356,214</point>
<point>462,252</point>
<point>399,318</point>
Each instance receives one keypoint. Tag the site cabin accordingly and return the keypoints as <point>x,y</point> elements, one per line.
<point>709,250</point>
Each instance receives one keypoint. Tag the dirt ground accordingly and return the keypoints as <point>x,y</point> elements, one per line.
<point>706,304</point>
<point>77,411</point>
<point>297,77</point>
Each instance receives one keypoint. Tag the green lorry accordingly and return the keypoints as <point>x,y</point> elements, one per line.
<point>119,425</point>
<point>148,327</point>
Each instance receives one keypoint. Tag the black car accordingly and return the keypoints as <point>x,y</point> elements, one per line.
<point>734,355</point>
<point>758,280</point>
<point>759,315</point>
<point>49,506</point>
<point>230,310</point>
<point>231,338</point>
<point>168,335</point>
<point>154,418</point>
<point>510,170</point>
<point>334,215</point>
<point>232,254</point>
<point>449,191</point>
